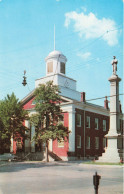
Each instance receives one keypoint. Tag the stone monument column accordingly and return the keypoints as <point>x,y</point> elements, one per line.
<point>111,154</point>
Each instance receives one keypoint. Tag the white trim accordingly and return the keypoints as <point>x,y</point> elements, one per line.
<point>51,145</point>
<point>27,141</point>
<point>72,129</point>
<point>91,108</point>
<point>11,146</point>
<point>84,134</point>
<point>32,142</point>
<point>63,75</point>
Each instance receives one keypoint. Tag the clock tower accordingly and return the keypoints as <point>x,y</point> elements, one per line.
<point>56,72</point>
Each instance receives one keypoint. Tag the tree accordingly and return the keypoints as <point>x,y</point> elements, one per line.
<point>48,112</point>
<point>12,117</point>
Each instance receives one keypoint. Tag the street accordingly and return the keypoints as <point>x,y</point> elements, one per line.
<point>59,177</point>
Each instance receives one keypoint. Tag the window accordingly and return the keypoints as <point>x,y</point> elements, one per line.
<point>104,142</point>
<point>88,122</point>
<point>50,67</point>
<point>61,119</point>
<point>78,120</point>
<point>87,142</point>
<point>62,68</point>
<point>104,125</point>
<point>96,142</point>
<point>61,143</point>
<point>96,123</point>
<point>78,141</point>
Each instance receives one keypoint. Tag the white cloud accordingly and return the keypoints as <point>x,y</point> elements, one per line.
<point>84,56</point>
<point>89,26</point>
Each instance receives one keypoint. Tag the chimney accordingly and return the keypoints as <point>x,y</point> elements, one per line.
<point>106,103</point>
<point>82,96</point>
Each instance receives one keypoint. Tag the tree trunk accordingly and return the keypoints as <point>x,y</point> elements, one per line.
<point>47,158</point>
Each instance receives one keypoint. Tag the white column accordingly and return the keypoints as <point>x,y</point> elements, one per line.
<point>11,146</point>
<point>50,145</point>
<point>32,141</point>
<point>27,141</point>
<point>72,130</point>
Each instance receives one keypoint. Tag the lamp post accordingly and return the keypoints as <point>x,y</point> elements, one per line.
<point>24,79</point>
<point>96,181</point>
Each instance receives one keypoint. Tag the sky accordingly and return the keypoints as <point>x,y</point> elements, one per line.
<point>89,33</point>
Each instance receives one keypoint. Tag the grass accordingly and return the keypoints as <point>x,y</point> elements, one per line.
<point>102,163</point>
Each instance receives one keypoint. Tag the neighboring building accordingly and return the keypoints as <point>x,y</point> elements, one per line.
<point>88,123</point>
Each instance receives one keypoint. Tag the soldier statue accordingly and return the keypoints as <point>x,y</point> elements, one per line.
<point>114,64</point>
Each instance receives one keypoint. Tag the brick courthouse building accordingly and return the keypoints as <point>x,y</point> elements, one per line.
<point>88,123</point>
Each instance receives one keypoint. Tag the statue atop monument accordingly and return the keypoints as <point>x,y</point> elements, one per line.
<point>114,64</point>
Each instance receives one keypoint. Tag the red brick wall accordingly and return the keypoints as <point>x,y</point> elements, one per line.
<point>62,151</point>
<point>91,132</point>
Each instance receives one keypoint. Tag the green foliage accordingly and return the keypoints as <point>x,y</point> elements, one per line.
<point>47,100</point>
<point>12,116</point>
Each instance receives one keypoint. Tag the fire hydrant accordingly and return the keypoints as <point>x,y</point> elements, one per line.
<point>96,181</point>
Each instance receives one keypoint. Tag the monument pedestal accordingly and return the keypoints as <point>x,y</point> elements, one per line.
<point>111,154</point>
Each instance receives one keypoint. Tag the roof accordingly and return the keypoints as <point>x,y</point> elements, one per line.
<point>66,100</point>
<point>28,97</point>
<point>55,52</point>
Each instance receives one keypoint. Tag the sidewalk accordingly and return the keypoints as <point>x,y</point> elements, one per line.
<point>6,157</point>
<point>3,163</point>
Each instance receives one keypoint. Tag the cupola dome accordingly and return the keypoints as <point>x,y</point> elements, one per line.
<point>55,63</point>
<point>55,53</point>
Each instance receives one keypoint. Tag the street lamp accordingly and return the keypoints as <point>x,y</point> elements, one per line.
<point>24,79</point>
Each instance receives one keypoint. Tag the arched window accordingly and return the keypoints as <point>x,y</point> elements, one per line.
<point>62,68</point>
<point>50,67</point>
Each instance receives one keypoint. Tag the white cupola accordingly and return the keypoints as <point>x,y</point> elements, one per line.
<point>55,63</point>
<point>56,72</point>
